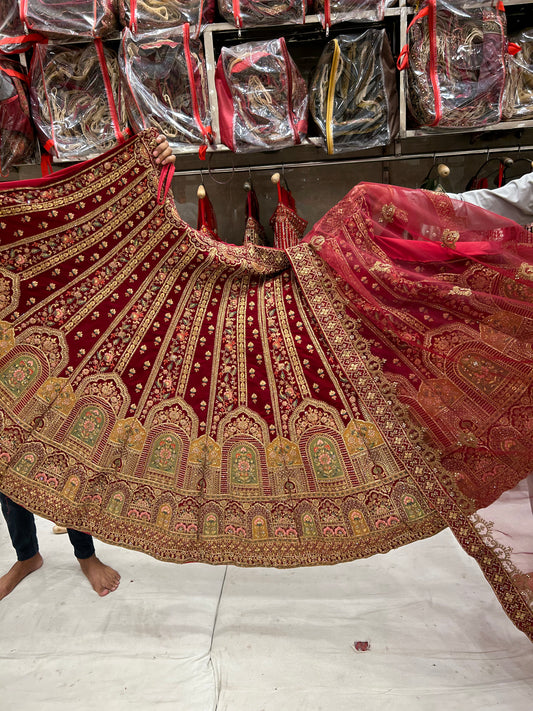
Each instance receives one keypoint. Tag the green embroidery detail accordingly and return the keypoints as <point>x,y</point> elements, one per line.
<point>89,425</point>
<point>166,453</point>
<point>243,466</point>
<point>18,375</point>
<point>324,458</point>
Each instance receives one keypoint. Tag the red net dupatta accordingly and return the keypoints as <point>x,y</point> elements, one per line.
<point>440,293</point>
<point>201,401</point>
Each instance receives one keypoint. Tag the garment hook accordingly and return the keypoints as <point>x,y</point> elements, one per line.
<point>249,184</point>
<point>219,182</point>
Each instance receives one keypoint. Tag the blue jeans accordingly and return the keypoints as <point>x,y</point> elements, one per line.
<point>21,527</point>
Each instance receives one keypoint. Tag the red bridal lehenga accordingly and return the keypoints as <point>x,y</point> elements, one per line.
<point>201,401</point>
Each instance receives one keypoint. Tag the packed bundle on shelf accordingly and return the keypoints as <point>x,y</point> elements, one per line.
<point>352,96</point>
<point>76,99</point>
<point>519,86</point>
<point>12,28</point>
<point>331,12</point>
<point>17,137</point>
<point>248,13</point>
<point>146,15</point>
<point>456,64</point>
<point>70,19</point>
<point>165,83</point>
<point>262,97</point>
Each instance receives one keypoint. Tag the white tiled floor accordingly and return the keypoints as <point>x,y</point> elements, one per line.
<point>278,640</point>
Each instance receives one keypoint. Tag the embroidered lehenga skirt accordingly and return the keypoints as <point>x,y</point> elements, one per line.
<point>201,401</point>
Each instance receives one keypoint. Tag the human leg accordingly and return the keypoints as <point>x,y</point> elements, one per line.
<point>21,526</point>
<point>103,578</point>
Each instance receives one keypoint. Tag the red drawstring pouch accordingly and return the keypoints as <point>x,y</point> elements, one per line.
<point>207,220</point>
<point>68,19</point>
<point>76,99</point>
<point>455,59</point>
<point>262,97</point>
<point>165,79</point>
<point>17,137</point>
<point>248,13</point>
<point>146,15</point>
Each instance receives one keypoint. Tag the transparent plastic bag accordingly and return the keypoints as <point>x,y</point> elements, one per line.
<point>165,78</point>
<point>11,28</point>
<point>456,66</point>
<point>262,97</point>
<point>519,83</point>
<point>248,13</point>
<point>352,95</point>
<point>17,137</point>
<point>147,15</point>
<point>76,99</point>
<point>69,19</point>
<point>331,12</point>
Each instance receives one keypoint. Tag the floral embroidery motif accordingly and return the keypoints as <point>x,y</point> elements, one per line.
<point>19,374</point>
<point>89,425</point>
<point>449,238</point>
<point>525,271</point>
<point>243,465</point>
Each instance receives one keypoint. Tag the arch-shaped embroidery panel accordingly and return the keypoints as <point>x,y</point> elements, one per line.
<point>21,372</point>
<point>165,453</point>
<point>244,465</point>
<point>89,424</point>
<point>325,458</point>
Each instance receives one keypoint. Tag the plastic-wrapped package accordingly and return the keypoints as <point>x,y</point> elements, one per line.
<point>17,137</point>
<point>352,95</point>
<point>165,79</point>
<point>456,64</point>
<point>262,97</point>
<point>146,15</point>
<point>68,19</point>
<point>331,12</point>
<point>519,83</point>
<point>247,13</point>
<point>12,28</point>
<point>76,99</point>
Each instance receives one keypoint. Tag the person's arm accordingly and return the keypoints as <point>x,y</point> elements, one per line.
<point>514,200</point>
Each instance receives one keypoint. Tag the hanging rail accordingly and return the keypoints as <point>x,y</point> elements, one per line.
<point>351,161</point>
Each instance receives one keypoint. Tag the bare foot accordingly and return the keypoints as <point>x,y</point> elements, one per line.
<point>18,572</point>
<point>102,578</point>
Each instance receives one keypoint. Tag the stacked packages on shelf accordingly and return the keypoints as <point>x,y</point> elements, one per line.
<point>101,68</point>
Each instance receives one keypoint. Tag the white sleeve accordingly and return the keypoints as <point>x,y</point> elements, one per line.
<point>514,200</point>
